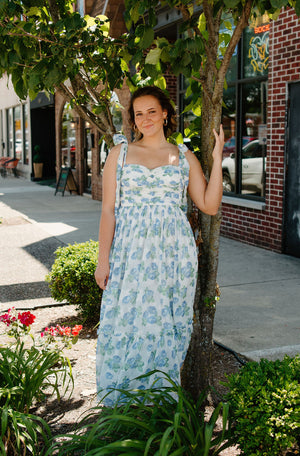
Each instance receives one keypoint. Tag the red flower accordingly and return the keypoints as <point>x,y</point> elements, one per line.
<point>26,318</point>
<point>6,319</point>
<point>76,330</point>
<point>67,331</point>
<point>63,331</point>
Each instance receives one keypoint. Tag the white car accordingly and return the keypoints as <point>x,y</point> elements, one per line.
<point>253,165</point>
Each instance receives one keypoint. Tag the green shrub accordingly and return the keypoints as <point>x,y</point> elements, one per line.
<point>264,402</point>
<point>155,421</point>
<point>72,279</point>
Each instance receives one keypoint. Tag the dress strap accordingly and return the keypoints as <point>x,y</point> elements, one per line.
<point>185,170</point>
<point>121,161</point>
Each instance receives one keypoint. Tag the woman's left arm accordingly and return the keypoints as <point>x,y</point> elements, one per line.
<point>207,196</point>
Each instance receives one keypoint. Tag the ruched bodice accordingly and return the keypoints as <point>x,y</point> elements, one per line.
<point>142,186</point>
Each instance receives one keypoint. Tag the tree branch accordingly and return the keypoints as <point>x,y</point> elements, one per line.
<point>207,10</point>
<point>235,39</point>
<point>202,81</point>
<point>83,111</point>
<point>218,89</point>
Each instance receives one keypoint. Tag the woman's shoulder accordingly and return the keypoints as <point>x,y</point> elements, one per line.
<point>112,158</point>
<point>115,149</point>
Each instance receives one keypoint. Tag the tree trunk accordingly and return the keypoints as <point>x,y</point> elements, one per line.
<point>196,372</point>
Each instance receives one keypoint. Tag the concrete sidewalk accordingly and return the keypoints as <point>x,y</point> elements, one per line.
<point>258,314</point>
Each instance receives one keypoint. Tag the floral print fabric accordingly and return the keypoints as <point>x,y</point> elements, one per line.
<point>147,307</point>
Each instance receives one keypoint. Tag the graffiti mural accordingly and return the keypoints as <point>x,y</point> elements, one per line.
<point>259,52</point>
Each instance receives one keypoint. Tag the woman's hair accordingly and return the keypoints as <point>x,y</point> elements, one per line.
<point>163,100</point>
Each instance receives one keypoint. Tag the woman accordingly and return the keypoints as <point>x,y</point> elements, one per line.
<point>147,263</point>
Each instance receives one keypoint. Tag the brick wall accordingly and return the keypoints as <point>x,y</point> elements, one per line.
<point>264,227</point>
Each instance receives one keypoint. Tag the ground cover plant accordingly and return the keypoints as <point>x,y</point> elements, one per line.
<point>156,421</point>
<point>71,278</point>
<point>264,402</point>
<point>30,370</point>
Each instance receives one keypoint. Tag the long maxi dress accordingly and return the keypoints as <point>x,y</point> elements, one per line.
<point>147,308</point>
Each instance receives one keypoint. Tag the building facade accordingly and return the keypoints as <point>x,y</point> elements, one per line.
<point>270,217</point>
<point>261,167</point>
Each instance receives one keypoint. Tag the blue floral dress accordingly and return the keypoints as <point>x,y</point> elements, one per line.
<point>147,308</point>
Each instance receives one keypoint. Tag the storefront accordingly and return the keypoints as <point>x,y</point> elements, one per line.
<point>261,203</point>
<point>261,156</point>
<point>23,125</point>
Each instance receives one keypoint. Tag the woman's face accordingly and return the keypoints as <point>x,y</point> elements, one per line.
<point>148,115</point>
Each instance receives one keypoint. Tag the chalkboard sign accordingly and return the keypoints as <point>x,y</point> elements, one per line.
<point>66,181</point>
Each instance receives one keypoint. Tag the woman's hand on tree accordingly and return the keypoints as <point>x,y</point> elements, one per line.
<point>219,144</point>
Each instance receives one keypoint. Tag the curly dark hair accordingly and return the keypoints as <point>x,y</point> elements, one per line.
<point>163,100</point>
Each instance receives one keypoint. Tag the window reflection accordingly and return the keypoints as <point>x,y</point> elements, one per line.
<point>68,140</point>
<point>244,114</point>
<point>26,133</point>
<point>18,137</point>
<point>256,48</point>
<point>9,122</point>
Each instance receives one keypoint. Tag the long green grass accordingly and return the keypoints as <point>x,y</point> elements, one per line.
<point>152,422</point>
<point>30,372</point>
<point>23,433</point>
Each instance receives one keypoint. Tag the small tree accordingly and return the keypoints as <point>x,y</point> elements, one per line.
<point>210,32</point>
<point>46,46</point>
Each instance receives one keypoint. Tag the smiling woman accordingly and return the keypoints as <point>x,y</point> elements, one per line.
<point>147,261</point>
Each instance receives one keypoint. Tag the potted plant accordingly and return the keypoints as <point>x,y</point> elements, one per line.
<point>37,162</point>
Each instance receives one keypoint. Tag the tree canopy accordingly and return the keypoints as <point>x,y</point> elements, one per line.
<point>46,46</point>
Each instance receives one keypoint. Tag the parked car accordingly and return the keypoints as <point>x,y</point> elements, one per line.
<point>229,146</point>
<point>252,168</point>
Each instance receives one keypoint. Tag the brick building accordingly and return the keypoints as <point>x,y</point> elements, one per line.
<point>261,201</point>
<point>272,220</point>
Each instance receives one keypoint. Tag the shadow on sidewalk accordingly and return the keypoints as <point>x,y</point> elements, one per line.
<point>24,291</point>
<point>44,250</point>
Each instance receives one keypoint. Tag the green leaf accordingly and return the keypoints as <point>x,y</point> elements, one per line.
<point>197,110</point>
<point>279,3</point>
<point>153,56</point>
<point>34,11</point>
<point>165,55</point>
<point>54,77</point>
<point>196,61</point>
<point>231,3</point>
<point>134,13</point>
<point>202,23</point>
<point>178,137</point>
<point>147,38</point>
<point>161,83</point>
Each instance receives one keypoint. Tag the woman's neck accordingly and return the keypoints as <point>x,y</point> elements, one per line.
<point>155,141</point>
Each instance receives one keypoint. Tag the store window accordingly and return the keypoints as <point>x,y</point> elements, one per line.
<point>26,133</point>
<point>18,136</point>
<point>68,139</point>
<point>10,132</point>
<point>2,144</point>
<point>244,114</point>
